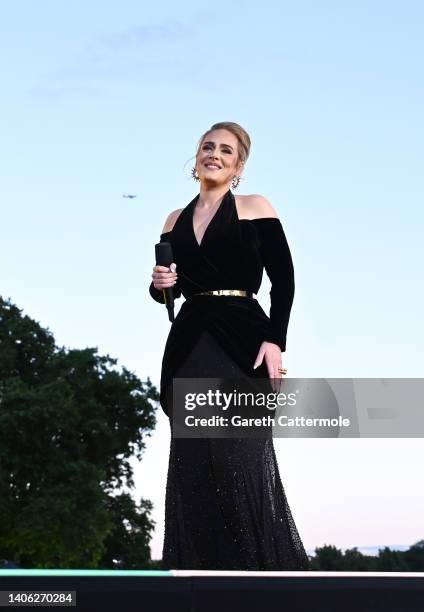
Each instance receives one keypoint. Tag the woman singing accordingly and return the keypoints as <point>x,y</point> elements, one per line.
<point>225,504</point>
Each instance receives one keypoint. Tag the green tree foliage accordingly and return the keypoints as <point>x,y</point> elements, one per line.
<point>391,561</point>
<point>327,558</point>
<point>355,561</point>
<point>127,542</point>
<point>414,557</point>
<point>69,424</point>
<point>330,558</point>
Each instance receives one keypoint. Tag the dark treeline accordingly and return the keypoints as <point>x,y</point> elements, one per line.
<point>330,558</point>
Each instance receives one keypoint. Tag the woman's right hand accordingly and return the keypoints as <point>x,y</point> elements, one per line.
<point>164,277</point>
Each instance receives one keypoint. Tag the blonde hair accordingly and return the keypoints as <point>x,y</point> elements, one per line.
<point>242,136</point>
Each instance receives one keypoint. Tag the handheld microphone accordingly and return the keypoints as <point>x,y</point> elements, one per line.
<point>164,257</point>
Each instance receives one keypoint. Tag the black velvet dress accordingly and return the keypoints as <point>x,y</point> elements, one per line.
<point>225,505</point>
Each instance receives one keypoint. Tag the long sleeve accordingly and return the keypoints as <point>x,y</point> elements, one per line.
<point>157,294</point>
<point>278,265</point>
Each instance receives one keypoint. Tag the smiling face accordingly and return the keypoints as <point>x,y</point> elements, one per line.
<point>217,160</point>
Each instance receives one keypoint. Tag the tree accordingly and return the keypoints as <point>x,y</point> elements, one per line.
<point>69,424</point>
<point>355,561</point>
<point>389,560</point>
<point>129,538</point>
<point>328,557</point>
<point>414,557</point>
<point>331,558</point>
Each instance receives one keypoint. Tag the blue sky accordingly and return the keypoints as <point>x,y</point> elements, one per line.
<point>105,98</point>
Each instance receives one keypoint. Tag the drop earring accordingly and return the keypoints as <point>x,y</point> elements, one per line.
<point>235,182</point>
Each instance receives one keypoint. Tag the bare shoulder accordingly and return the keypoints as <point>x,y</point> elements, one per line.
<point>255,207</point>
<point>171,219</point>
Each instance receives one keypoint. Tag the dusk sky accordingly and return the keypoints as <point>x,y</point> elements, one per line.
<point>101,99</point>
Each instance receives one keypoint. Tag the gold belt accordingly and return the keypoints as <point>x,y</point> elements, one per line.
<point>238,292</point>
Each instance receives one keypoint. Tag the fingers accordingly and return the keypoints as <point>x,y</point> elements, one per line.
<point>273,365</point>
<point>172,267</point>
<point>164,277</point>
<point>274,375</point>
<point>272,356</point>
<point>259,358</point>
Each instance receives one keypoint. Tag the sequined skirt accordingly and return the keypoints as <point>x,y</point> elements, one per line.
<point>225,506</point>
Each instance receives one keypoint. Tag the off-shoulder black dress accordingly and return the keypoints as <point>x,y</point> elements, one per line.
<point>225,505</point>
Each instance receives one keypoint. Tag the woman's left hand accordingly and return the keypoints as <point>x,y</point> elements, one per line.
<point>272,354</point>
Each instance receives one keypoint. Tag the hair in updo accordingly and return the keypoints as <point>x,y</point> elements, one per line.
<point>242,136</point>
